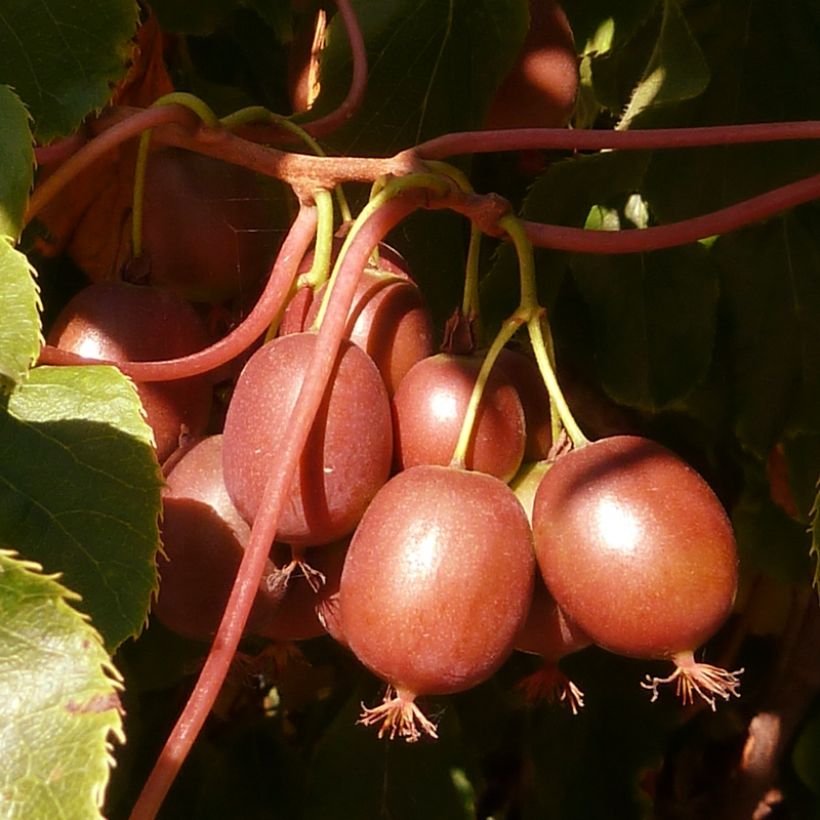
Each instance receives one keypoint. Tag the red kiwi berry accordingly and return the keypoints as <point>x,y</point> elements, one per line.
<point>203,539</point>
<point>547,631</point>
<point>429,409</point>
<point>435,587</point>
<point>541,87</point>
<point>638,552</point>
<point>348,453</point>
<point>226,242</point>
<point>120,322</point>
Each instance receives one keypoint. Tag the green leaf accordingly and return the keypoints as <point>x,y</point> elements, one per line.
<point>424,78</point>
<point>676,71</point>
<point>62,57</point>
<point>17,162</point>
<point>563,195</point>
<point>653,321</point>
<point>80,489</point>
<point>354,774</point>
<point>772,299</point>
<point>765,67</point>
<point>20,309</point>
<point>601,25</point>
<point>61,708</point>
<point>769,540</point>
<point>200,18</point>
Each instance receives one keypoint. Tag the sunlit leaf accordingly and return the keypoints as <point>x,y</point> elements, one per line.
<point>676,71</point>
<point>61,709</point>
<point>19,307</point>
<point>16,161</point>
<point>79,489</point>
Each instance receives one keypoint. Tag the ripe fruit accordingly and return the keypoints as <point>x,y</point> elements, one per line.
<point>388,318</point>
<point>223,240</point>
<point>348,453</point>
<point>429,409</point>
<point>306,610</point>
<point>120,322</point>
<point>540,89</point>
<point>203,538</point>
<point>523,372</point>
<point>546,631</point>
<point>638,551</point>
<point>435,586</point>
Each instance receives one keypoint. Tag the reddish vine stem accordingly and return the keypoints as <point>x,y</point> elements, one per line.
<point>262,535</point>
<point>61,150</point>
<point>522,139</point>
<point>240,338</point>
<point>722,221</point>
<point>358,83</point>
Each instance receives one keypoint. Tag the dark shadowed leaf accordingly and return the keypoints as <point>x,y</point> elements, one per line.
<point>771,290</point>
<point>354,774</point>
<point>424,78</point>
<point>63,57</point>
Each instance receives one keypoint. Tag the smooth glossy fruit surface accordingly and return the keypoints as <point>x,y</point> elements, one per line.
<point>389,321</point>
<point>523,371</point>
<point>348,453</point>
<point>635,547</point>
<point>437,580</point>
<point>120,322</point>
<point>540,89</point>
<point>429,409</point>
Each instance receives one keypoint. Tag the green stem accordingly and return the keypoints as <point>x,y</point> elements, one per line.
<point>387,191</point>
<point>470,305</point>
<point>557,400</point>
<point>204,112</point>
<point>258,113</point>
<point>531,313</point>
<point>508,330</point>
<point>322,253</point>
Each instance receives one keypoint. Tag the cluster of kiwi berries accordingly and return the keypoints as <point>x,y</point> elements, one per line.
<point>430,571</point>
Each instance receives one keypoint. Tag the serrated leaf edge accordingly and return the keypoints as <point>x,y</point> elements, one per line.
<point>111,673</point>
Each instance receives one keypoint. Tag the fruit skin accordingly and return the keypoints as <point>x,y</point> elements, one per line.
<point>348,453</point>
<point>203,539</point>
<point>523,371</point>
<point>388,317</point>
<point>437,580</point>
<point>429,408</point>
<point>540,89</point>
<point>389,321</point>
<point>635,547</point>
<point>121,322</point>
